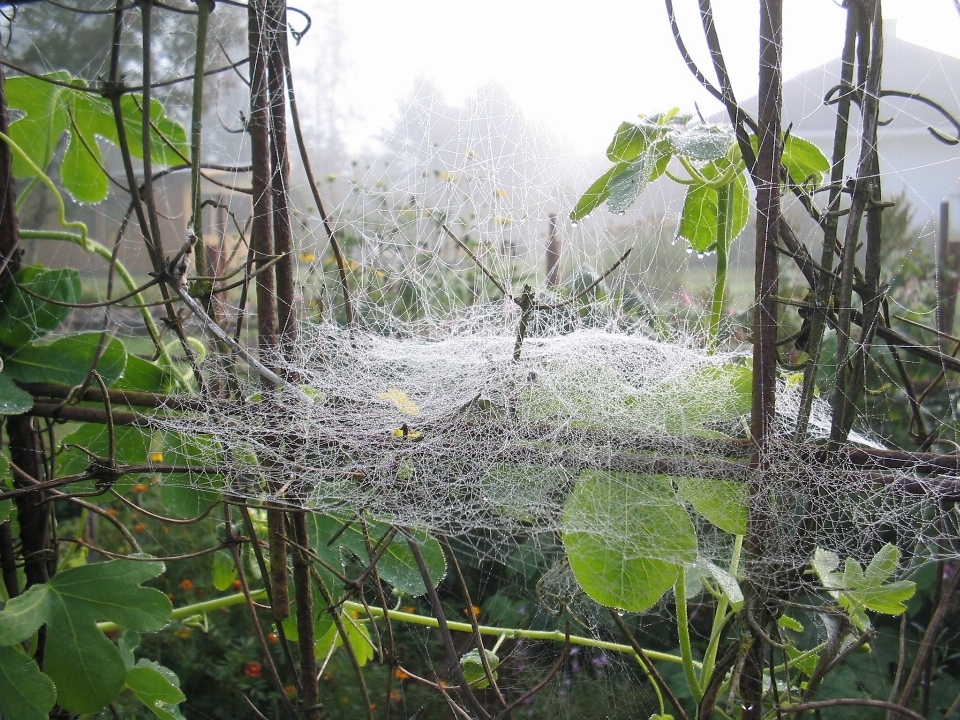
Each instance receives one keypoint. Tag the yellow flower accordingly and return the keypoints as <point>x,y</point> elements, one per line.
<point>307,257</point>
<point>501,220</point>
<point>156,457</point>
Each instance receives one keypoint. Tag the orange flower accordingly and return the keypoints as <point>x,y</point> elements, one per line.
<point>182,633</point>
<point>401,674</point>
<point>187,585</point>
<point>112,512</point>
<point>472,611</point>
<point>141,488</point>
<point>273,639</point>
<point>290,689</point>
<point>139,528</point>
<point>409,609</point>
<point>253,669</point>
<point>236,585</point>
<point>396,696</point>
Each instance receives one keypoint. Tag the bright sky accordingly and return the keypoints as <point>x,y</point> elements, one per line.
<point>580,67</point>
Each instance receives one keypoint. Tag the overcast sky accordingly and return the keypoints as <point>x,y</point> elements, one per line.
<point>580,67</point>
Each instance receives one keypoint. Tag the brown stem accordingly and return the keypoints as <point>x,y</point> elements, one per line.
<point>280,162</point>
<point>310,697</point>
<point>766,174</point>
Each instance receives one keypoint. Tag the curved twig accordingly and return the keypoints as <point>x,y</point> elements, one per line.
<point>854,702</point>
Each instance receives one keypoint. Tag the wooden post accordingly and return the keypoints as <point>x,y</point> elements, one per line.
<point>553,253</point>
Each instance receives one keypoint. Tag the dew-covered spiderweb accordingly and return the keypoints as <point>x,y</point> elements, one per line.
<point>491,363</point>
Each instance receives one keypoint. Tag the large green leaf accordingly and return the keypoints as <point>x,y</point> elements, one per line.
<point>160,149</point>
<point>131,445</point>
<point>26,318</point>
<point>690,402</point>
<point>628,142</point>
<point>156,689</point>
<point>396,565</point>
<point>698,222</point>
<point>702,143</point>
<point>87,669</point>
<point>52,110</point>
<point>45,118</point>
<point>625,536</point>
<point>722,502</point>
<point>144,376</point>
<point>67,361</point>
<point>188,494</point>
<point>596,193</point>
<point>626,185</point>
<point>25,692</point>
<point>13,400</point>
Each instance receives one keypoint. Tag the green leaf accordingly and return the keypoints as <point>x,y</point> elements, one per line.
<point>804,161</point>
<point>224,570</point>
<point>160,151</point>
<point>687,403</point>
<point>38,132</point>
<point>858,589</point>
<point>51,110</point>
<point>625,534</point>
<point>87,669</point>
<point>698,221</point>
<point>397,565</point>
<point>473,670</point>
<point>67,361</point>
<point>625,186</point>
<point>788,623</point>
<point>144,376</point>
<point>595,194</point>
<point>722,502</point>
<point>359,638</point>
<point>13,400</point>
<point>26,318</point>
<point>81,167</point>
<point>628,142</point>
<point>155,691</point>
<point>131,445</point>
<point>702,143</point>
<point>25,692</point>
<point>179,492</point>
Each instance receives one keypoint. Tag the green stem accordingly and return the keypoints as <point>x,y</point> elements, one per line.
<point>103,251</point>
<point>720,618</point>
<point>683,634</point>
<point>423,620</point>
<point>45,179</point>
<point>724,210</point>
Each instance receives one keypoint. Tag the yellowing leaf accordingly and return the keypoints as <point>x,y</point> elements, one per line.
<point>400,401</point>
